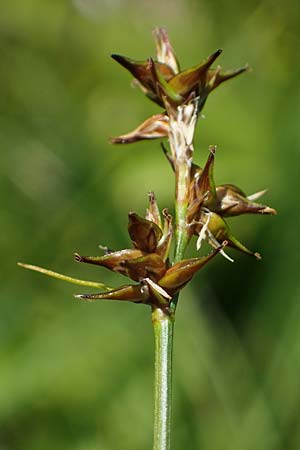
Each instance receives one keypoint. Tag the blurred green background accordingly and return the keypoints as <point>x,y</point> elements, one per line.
<point>79,375</point>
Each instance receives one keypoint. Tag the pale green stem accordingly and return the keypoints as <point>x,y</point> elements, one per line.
<point>181,204</point>
<point>163,325</point>
<point>163,318</point>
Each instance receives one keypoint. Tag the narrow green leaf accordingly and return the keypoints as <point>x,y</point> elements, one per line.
<point>62,277</point>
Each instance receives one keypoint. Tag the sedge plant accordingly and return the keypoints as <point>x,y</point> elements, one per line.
<point>201,209</point>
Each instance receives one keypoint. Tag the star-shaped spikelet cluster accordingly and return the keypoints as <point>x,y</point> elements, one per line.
<point>201,205</point>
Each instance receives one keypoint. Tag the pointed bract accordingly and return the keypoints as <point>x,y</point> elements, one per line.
<point>193,79</point>
<point>181,273</point>
<point>156,127</point>
<point>233,202</point>
<point>142,71</point>
<point>113,261</point>
<point>219,77</point>
<point>130,293</point>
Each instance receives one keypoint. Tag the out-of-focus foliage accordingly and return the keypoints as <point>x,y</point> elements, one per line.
<point>79,375</point>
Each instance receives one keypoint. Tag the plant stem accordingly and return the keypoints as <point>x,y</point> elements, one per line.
<point>181,204</point>
<point>163,325</point>
<point>180,138</point>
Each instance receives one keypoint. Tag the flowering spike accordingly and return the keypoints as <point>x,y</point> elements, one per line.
<point>226,200</point>
<point>200,205</point>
